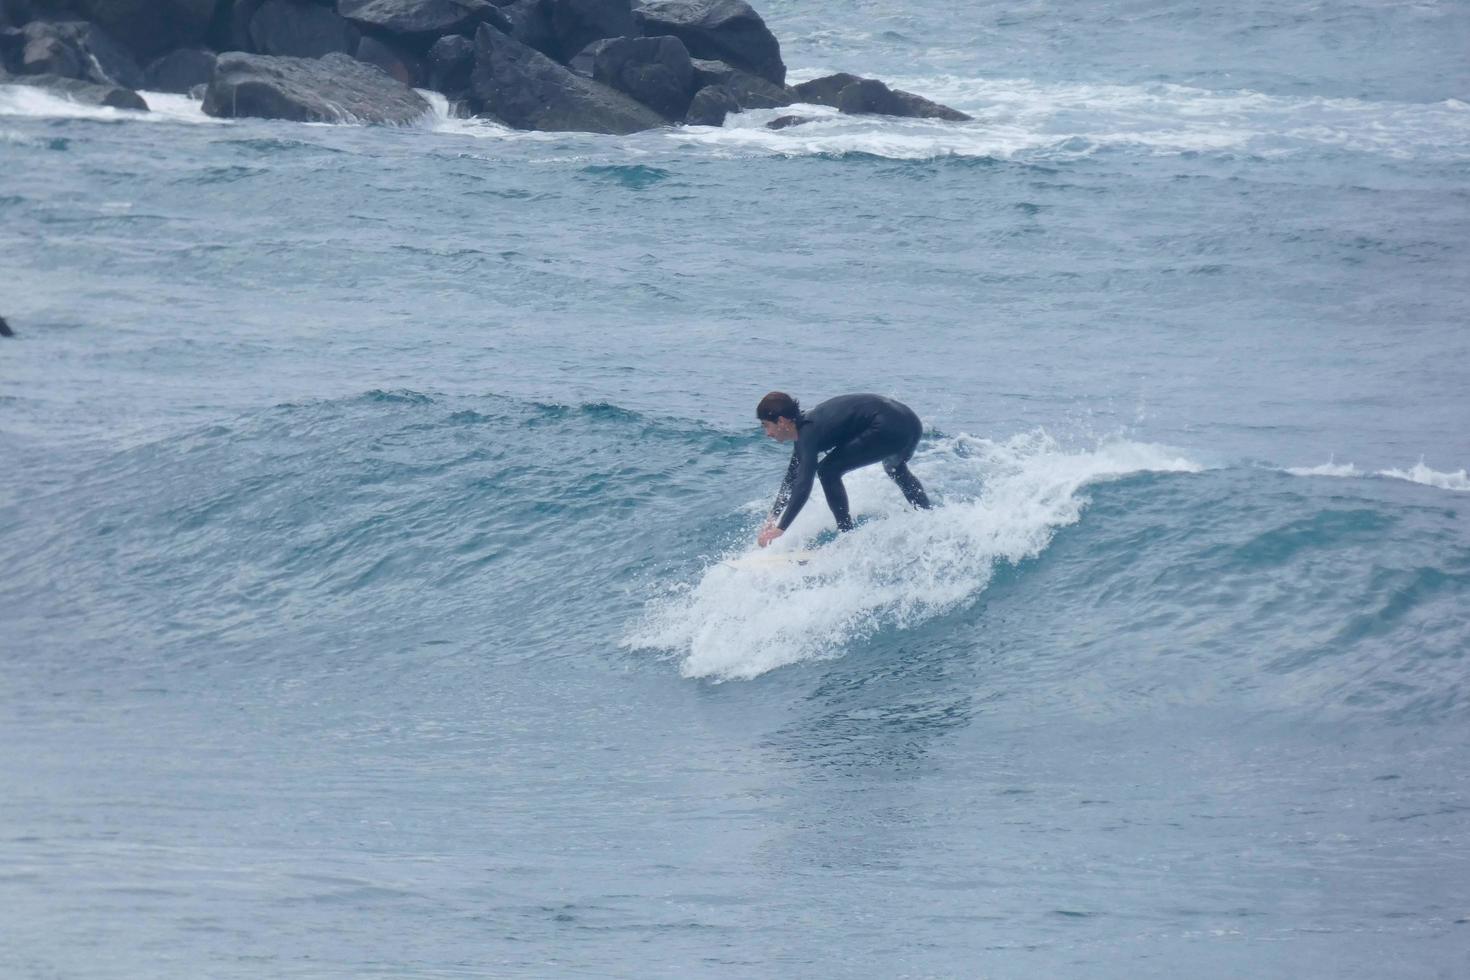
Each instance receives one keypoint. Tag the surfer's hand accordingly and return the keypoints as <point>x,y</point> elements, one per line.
<point>768,534</point>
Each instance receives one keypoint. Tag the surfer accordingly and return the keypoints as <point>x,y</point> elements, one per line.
<point>854,431</point>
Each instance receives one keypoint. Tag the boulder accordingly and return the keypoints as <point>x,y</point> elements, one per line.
<point>710,106</point>
<point>5,330</point>
<point>52,56</point>
<point>451,60</point>
<point>87,93</point>
<point>871,96</point>
<point>180,71</point>
<point>728,30</point>
<point>12,44</point>
<point>300,30</point>
<point>862,96</point>
<point>749,91</point>
<point>577,23</point>
<point>654,70</point>
<point>394,59</point>
<point>99,59</point>
<point>530,23</point>
<point>421,22</point>
<point>147,28</point>
<point>334,88</point>
<point>583,60</point>
<point>786,122</point>
<point>231,28</point>
<point>527,90</point>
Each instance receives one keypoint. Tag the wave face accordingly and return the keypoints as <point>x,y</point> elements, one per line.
<point>365,496</point>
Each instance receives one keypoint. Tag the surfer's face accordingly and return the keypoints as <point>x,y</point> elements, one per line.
<point>782,430</point>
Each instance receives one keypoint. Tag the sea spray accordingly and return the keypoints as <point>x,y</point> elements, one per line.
<point>1000,502</point>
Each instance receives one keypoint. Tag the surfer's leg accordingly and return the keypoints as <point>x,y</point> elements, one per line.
<point>868,448</point>
<point>913,490</point>
<point>897,468</point>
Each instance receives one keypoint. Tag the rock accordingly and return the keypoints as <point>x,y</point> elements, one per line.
<point>300,30</point>
<point>654,70</point>
<point>52,56</point>
<point>527,90</point>
<point>99,58</point>
<point>334,88</point>
<point>148,28</point>
<point>786,122</point>
<point>577,23</point>
<point>728,30</point>
<point>5,330</point>
<point>421,22</point>
<point>451,60</point>
<point>180,71</point>
<point>231,29</point>
<point>393,59</point>
<point>854,94</point>
<point>824,90</point>
<point>87,93</point>
<point>583,60</point>
<point>530,23</point>
<point>12,44</point>
<point>749,91</point>
<point>871,96</point>
<point>710,106</point>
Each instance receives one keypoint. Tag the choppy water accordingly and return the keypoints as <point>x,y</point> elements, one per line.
<point>365,492</point>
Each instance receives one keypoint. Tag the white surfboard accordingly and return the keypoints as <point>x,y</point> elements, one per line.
<point>770,559</point>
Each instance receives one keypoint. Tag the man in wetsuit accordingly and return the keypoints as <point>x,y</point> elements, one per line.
<point>854,431</point>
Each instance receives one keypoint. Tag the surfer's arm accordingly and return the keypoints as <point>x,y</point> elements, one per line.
<point>798,484</point>
<point>784,494</point>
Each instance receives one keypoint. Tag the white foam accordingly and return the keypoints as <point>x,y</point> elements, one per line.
<point>1329,468</point>
<point>1419,473</point>
<point>40,103</point>
<point>1003,501</point>
<point>1020,117</point>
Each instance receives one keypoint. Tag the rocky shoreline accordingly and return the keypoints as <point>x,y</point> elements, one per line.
<point>597,66</point>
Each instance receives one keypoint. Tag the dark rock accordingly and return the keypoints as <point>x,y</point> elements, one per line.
<point>52,56</point>
<point>824,90</point>
<point>180,71</point>
<point>422,21</point>
<point>334,88</point>
<point>87,93</point>
<point>854,94</point>
<point>527,90</point>
<point>147,28</point>
<point>583,60</point>
<point>786,122</point>
<point>393,59</point>
<point>577,23</point>
<point>5,330</point>
<point>530,23</point>
<point>101,59</point>
<point>871,96</point>
<point>230,30</point>
<point>710,106</point>
<point>12,44</point>
<point>654,70</point>
<point>299,30</point>
<point>749,91</point>
<point>728,30</point>
<point>451,60</point>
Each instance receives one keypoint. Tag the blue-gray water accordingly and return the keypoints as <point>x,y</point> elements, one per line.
<point>364,492</point>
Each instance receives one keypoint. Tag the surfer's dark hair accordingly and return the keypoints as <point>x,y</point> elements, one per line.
<point>778,405</point>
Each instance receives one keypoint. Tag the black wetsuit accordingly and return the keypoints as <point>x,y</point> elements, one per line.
<point>854,431</point>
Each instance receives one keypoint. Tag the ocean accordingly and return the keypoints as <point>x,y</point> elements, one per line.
<point>363,603</point>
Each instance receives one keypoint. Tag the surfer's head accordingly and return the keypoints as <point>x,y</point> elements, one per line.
<point>778,413</point>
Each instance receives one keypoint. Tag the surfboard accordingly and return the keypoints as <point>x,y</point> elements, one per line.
<point>770,559</point>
